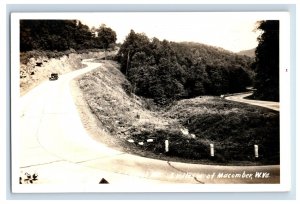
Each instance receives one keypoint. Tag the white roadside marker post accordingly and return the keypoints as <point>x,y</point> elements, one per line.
<point>212,151</point>
<point>149,140</point>
<point>256,151</point>
<point>166,145</point>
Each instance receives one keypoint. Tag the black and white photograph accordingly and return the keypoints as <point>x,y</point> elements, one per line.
<point>150,101</point>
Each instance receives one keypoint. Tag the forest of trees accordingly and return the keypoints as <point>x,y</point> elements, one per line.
<point>266,63</point>
<point>61,35</point>
<point>166,71</point>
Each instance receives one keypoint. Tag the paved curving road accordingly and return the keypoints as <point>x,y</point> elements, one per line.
<point>241,98</point>
<point>54,144</point>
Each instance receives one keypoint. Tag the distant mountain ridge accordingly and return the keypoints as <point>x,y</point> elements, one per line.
<point>197,44</point>
<point>249,53</point>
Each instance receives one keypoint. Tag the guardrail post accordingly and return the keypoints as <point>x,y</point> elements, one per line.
<point>166,145</point>
<point>256,151</point>
<point>212,151</point>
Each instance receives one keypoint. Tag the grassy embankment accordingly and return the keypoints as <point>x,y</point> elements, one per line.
<point>232,127</point>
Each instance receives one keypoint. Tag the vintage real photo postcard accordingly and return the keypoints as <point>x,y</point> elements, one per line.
<point>150,102</point>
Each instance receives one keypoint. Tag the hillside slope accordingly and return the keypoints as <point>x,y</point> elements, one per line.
<point>190,125</point>
<point>119,113</point>
<point>249,53</point>
<point>167,71</point>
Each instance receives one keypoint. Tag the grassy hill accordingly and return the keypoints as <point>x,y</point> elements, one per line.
<point>190,125</point>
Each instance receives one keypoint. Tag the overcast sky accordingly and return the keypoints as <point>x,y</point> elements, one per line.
<point>231,31</point>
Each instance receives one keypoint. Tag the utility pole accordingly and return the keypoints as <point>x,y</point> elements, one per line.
<point>127,62</point>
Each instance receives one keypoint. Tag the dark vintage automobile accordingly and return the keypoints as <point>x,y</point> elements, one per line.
<point>54,76</point>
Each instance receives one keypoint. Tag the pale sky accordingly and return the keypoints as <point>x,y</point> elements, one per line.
<point>231,31</point>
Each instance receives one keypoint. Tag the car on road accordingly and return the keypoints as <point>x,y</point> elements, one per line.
<point>53,76</point>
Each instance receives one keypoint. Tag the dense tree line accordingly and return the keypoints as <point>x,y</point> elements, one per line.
<point>166,71</point>
<point>60,35</point>
<point>266,63</point>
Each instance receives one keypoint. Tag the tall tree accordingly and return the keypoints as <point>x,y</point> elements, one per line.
<point>134,43</point>
<point>106,37</point>
<point>267,61</point>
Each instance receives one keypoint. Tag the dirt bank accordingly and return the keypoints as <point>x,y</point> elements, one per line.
<point>37,67</point>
